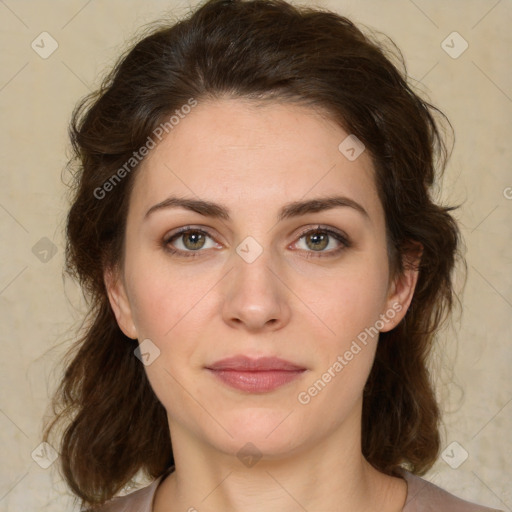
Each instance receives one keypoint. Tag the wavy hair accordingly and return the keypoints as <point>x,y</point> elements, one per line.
<point>112,423</point>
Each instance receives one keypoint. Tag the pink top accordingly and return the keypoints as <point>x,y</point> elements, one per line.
<point>422,496</point>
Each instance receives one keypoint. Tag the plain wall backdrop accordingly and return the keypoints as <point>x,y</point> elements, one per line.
<point>53,53</point>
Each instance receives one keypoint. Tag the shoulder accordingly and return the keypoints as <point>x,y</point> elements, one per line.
<point>423,496</point>
<point>137,501</point>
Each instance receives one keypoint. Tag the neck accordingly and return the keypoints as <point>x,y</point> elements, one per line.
<point>329,474</point>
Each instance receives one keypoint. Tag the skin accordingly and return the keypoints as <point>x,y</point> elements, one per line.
<point>253,159</point>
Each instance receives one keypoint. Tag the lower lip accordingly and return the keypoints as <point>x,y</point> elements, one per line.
<point>256,381</point>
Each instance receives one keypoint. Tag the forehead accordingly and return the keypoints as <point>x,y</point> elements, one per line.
<point>254,156</point>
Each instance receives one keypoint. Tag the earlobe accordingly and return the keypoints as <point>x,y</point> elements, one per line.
<point>401,290</point>
<point>119,302</point>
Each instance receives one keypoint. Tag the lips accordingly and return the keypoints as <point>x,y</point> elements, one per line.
<point>261,364</point>
<point>259,375</point>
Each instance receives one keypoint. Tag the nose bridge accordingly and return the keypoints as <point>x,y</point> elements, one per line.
<point>255,296</point>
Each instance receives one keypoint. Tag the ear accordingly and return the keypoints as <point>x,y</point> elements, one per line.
<point>401,288</point>
<point>119,302</point>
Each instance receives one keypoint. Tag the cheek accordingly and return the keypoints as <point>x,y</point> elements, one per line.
<point>350,300</point>
<point>161,299</point>
<point>349,306</point>
<point>167,309</point>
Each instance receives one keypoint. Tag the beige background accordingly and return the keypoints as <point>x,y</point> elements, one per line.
<point>39,308</point>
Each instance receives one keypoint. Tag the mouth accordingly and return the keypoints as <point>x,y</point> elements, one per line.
<point>259,375</point>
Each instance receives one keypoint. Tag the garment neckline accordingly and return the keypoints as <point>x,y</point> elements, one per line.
<point>403,473</point>
<point>157,484</point>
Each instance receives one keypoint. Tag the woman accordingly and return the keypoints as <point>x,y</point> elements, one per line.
<point>267,271</point>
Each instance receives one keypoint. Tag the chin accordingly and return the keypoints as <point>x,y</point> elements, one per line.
<point>261,430</point>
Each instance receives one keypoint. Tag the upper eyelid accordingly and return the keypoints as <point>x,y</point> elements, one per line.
<point>320,227</point>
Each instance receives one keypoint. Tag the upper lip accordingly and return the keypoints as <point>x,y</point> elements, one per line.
<point>244,363</point>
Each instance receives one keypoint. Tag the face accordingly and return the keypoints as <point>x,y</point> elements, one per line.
<point>280,252</point>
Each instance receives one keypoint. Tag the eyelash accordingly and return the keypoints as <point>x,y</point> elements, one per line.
<point>342,239</point>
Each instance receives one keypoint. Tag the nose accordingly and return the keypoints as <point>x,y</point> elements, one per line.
<point>256,298</point>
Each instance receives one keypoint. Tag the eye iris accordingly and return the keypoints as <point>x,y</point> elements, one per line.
<point>317,237</point>
<point>197,240</point>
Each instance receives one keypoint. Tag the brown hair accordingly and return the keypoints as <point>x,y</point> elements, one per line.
<point>259,49</point>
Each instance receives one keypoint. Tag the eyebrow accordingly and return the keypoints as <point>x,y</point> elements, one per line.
<point>288,211</point>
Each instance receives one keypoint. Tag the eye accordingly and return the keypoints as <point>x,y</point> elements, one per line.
<point>188,240</point>
<point>325,242</point>
<point>319,239</point>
